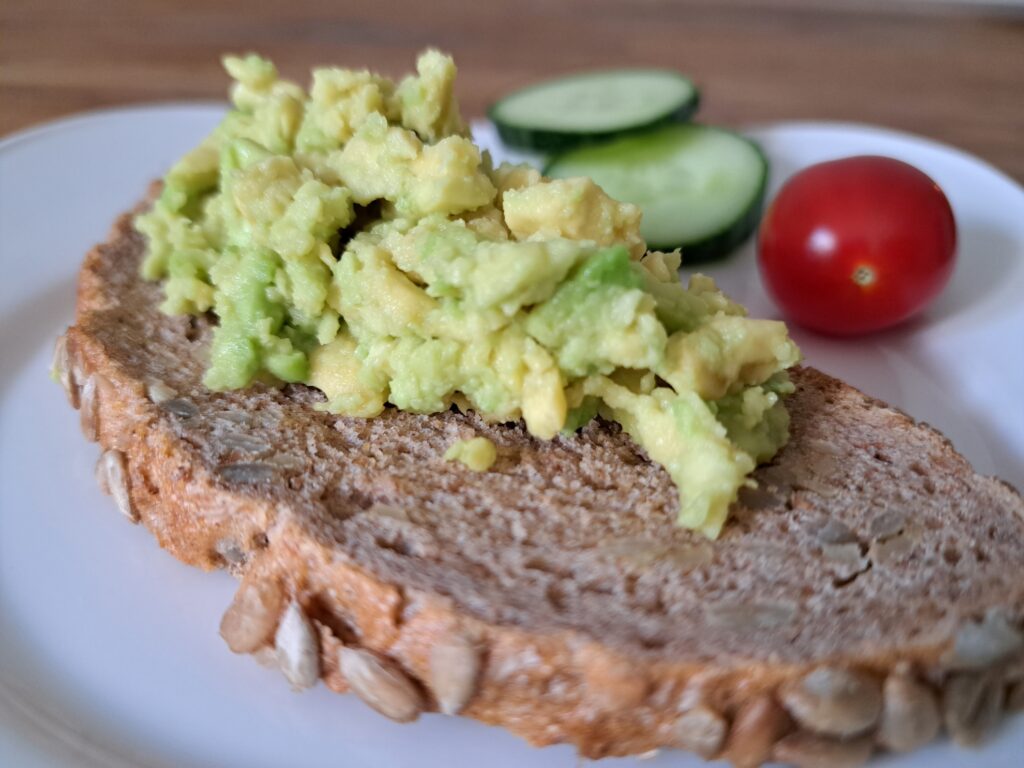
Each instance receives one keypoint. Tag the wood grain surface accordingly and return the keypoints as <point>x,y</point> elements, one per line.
<point>951,72</point>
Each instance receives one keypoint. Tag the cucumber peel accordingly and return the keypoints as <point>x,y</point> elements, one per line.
<point>594,106</point>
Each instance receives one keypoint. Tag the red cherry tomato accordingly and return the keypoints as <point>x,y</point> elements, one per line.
<point>856,245</point>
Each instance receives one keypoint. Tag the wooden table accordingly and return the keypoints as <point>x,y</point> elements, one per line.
<point>955,74</point>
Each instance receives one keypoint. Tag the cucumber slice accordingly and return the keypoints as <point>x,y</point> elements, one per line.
<point>557,114</point>
<point>700,188</point>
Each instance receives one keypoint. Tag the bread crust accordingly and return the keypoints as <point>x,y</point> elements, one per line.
<point>551,686</point>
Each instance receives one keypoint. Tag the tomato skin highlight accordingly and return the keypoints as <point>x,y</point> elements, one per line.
<point>856,245</point>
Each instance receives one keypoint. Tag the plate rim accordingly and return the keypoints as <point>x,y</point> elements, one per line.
<point>213,105</point>
<point>45,127</point>
<point>53,733</point>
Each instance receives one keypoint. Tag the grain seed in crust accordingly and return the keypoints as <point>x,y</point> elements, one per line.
<point>63,370</point>
<point>832,532</point>
<point>247,473</point>
<point>454,668</point>
<point>972,704</point>
<point>112,477</point>
<point>910,713</point>
<point>298,651</point>
<point>887,524</point>
<point>833,701</point>
<point>250,620</point>
<point>88,409</point>
<point>758,725</point>
<point>700,730</point>
<point>158,392</point>
<point>380,684</point>
<point>981,644</point>
<point>181,407</point>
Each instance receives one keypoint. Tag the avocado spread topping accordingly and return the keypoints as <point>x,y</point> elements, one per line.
<point>477,453</point>
<point>355,239</point>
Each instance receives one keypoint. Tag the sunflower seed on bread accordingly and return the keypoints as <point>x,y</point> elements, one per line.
<point>454,667</point>
<point>381,684</point>
<point>910,713</point>
<point>298,651</point>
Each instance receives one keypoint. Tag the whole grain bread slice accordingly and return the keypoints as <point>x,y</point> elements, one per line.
<point>866,593</point>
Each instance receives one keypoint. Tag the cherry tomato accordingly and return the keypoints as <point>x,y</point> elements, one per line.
<point>856,245</point>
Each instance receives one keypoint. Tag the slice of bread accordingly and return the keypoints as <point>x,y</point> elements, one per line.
<point>867,593</point>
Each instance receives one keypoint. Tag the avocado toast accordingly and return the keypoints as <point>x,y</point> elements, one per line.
<point>352,294</point>
<point>863,597</point>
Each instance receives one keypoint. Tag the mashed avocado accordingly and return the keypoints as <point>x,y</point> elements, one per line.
<point>477,453</point>
<point>355,239</point>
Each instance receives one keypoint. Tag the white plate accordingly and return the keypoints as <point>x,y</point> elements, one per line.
<point>109,653</point>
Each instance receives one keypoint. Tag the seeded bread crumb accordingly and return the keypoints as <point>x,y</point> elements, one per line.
<point>869,542</point>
